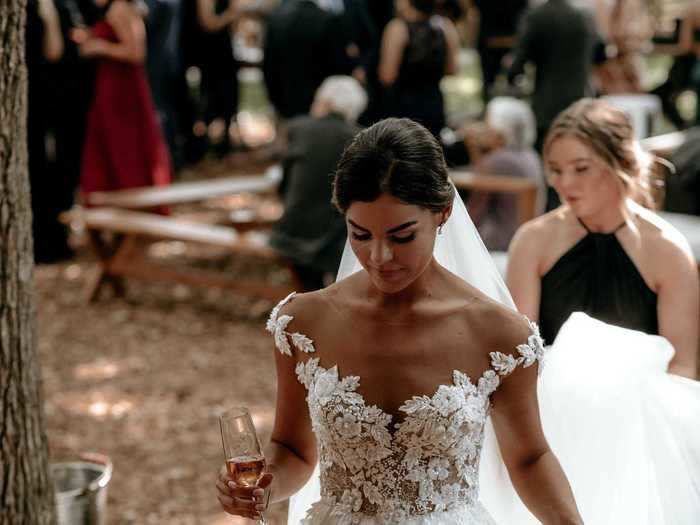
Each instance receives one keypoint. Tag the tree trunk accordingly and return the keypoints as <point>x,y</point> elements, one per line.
<point>26,493</point>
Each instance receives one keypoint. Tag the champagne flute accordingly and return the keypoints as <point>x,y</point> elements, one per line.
<point>244,458</point>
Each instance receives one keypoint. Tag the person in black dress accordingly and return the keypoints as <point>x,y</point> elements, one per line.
<point>600,252</point>
<point>301,48</point>
<point>43,45</point>
<point>498,22</point>
<point>418,49</point>
<point>219,68</point>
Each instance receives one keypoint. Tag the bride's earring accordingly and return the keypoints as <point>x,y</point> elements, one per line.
<point>440,228</point>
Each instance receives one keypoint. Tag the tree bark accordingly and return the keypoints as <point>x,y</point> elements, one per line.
<point>26,493</point>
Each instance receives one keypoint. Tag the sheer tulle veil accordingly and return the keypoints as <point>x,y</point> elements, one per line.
<point>459,249</point>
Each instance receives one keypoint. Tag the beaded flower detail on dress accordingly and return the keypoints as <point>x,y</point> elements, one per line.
<point>429,464</point>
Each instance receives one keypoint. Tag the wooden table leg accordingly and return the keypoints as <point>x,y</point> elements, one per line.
<point>105,250</point>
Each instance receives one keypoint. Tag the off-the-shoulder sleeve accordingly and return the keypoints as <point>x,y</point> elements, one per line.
<point>277,326</point>
<point>528,353</point>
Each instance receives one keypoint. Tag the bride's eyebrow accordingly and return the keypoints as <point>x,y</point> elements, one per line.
<point>390,230</point>
<point>358,226</point>
<point>401,226</point>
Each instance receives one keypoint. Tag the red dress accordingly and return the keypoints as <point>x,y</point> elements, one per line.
<point>124,145</point>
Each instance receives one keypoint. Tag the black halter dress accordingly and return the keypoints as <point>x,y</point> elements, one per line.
<point>596,276</point>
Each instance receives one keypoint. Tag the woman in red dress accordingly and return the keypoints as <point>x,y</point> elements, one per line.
<point>124,146</point>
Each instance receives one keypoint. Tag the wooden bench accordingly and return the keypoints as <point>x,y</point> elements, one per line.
<point>119,239</point>
<point>183,192</point>
<point>524,189</point>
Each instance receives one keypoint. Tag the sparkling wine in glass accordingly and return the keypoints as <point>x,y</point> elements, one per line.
<point>244,458</point>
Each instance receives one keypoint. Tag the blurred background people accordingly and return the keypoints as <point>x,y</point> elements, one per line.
<point>507,139</point>
<point>677,81</point>
<point>218,70</point>
<point>300,51</point>
<point>497,27</point>
<point>164,64</point>
<point>358,38</point>
<point>626,29</point>
<point>682,188</point>
<point>690,42</point>
<point>559,39</point>
<point>43,45</point>
<point>418,49</point>
<point>311,232</point>
<point>124,146</point>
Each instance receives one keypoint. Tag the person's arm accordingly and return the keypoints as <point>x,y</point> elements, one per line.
<point>452,41</point>
<point>469,28</point>
<point>533,468</point>
<point>523,276</point>
<point>394,42</point>
<point>130,31</point>
<point>53,38</point>
<point>291,454</point>
<point>212,22</point>
<point>678,306</point>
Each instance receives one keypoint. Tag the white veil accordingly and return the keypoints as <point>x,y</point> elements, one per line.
<point>459,249</point>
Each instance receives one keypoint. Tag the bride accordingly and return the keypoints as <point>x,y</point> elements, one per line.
<point>388,377</point>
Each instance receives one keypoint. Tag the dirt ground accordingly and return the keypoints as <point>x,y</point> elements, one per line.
<point>143,380</point>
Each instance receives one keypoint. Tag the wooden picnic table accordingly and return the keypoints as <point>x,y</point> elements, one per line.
<point>182,192</point>
<point>122,253</point>
<point>524,189</point>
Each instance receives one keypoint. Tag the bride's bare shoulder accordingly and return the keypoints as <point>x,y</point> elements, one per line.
<point>499,327</point>
<point>308,309</point>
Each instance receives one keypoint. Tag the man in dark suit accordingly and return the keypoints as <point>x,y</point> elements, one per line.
<point>560,40</point>
<point>498,22</point>
<point>311,232</point>
<point>300,50</point>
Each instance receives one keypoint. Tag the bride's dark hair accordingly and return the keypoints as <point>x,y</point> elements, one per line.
<point>395,156</point>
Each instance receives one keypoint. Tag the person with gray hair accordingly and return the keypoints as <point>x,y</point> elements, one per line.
<point>342,95</point>
<point>514,119</point>
<point>311,233</point>
<point>509,135</point>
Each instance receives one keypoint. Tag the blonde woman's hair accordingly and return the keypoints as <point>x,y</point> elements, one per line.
<point>608,132</point>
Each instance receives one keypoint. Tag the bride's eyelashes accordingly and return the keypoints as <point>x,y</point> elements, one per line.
<point>404,239</point>
<point>394,238</point>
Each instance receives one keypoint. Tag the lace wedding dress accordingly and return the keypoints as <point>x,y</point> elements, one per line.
<point>423,470</point>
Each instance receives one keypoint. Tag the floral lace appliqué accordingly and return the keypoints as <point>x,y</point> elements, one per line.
<point>277,325</point>
<point>429,464</point>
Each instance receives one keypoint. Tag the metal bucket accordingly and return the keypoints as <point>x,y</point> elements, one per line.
<point>81,490</point>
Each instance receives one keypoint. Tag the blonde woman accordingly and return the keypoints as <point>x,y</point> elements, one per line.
<point>618,288</point>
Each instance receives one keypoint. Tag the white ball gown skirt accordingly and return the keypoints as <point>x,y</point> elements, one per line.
<point>626,432</point>
<point>322,514</point>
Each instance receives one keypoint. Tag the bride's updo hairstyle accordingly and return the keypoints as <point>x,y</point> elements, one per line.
<point>394,156</point>
<point>607,131</point>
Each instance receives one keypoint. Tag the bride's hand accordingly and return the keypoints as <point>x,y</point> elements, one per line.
<point>241,500</point>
